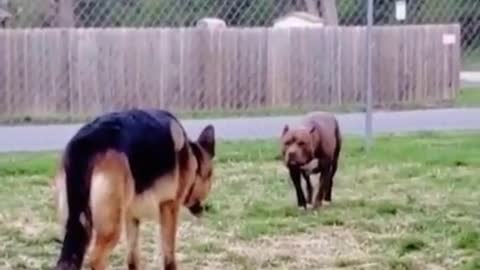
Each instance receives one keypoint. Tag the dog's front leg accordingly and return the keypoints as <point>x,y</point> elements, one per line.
<point>295,176</point>
<point>133,260</point>
<point>168,222</point>
<point>323,186</point>
<point>306,176</point>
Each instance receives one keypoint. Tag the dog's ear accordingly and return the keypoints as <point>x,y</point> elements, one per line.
<point>177,135</point>
<point>207,140</point>
<point>285,130</point>
<point>314,133</point>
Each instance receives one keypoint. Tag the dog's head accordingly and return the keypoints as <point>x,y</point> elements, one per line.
<point>298,145</point>
<point>204,150</point>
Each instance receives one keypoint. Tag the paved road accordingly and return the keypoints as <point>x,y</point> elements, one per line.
<point>471,76</point>
<point>54,137</point>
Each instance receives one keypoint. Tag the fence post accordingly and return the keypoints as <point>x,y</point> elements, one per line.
<point>368,102</point>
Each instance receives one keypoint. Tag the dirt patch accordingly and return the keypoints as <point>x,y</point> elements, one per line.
<point>321,249</point>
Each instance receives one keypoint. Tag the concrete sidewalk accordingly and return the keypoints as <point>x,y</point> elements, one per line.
<point>54,137</point>
<point>470,78</point>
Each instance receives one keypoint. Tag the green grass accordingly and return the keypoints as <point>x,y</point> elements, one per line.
<point>411,203</point>
<point>200,114</point>
<point>468,97</point>
<point>472,59</point>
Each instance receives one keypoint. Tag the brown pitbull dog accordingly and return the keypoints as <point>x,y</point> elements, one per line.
<point>312,148</point>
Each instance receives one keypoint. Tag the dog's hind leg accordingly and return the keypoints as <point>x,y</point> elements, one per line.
<point>329,187</point>
<point>323,186</point>
<point>109,197</point>
<point>132,229</point>
<point>334,163</point>
<point>169,222</point>
<point>105,241</point>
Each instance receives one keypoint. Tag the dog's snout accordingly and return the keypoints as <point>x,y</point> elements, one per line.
<point>292,158</point>
<point>197,209</point>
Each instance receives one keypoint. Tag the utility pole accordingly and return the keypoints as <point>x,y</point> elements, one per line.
<point>368,103</point>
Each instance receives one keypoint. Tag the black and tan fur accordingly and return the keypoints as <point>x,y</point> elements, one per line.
<point>309,149</point>
<point>122,168</point>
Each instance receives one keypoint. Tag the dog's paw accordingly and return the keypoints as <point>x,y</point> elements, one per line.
<point>317,205</point>
<point>309,206</point>
<point>303,207</point>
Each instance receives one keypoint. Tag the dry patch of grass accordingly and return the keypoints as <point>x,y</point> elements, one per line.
<point>410,204</point>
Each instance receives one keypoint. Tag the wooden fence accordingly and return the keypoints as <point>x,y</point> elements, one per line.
<point>87,71</point>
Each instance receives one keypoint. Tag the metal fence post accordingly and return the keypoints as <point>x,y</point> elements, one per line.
<point>368,102</point>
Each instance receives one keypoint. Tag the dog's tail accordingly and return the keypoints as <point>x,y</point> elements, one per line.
<point>77,162</point>
<point>338,144</point>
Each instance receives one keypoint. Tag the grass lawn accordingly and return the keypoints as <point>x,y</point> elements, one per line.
<point>467,97</point>
<point>411,203</point>
<point>471,59</point>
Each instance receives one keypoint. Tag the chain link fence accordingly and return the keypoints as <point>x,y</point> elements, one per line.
<point>114,66</point>
<point>174,13</point>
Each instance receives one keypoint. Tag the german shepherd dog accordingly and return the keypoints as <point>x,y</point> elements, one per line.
<point>124,167</point>
<point>312,148</point>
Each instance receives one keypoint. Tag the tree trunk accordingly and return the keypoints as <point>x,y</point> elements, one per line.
<point>65,13</point>
<point>4,8</point>
<point>329,12</point>
<point>312,7</point>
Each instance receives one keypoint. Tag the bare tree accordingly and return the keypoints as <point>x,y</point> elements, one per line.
<point>329,12</point>
<point>5,16</point>
<point>312,7</point>
<point>65,13</point>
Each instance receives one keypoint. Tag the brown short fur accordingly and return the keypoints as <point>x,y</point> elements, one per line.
<point>312,147</point>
